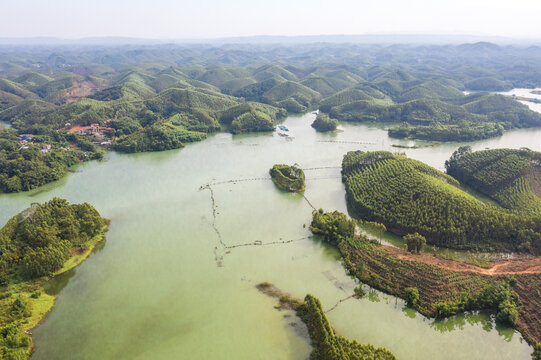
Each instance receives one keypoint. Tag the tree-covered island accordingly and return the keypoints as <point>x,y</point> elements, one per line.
<point>40,242</point>
<point>288,178</point>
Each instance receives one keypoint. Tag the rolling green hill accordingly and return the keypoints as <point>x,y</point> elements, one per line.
<point>430,90</point>
<point>468,118</point>
<point>488,84</point>
<point>49,90</point>
<point>349,96</point>
<point>326,86</point>
<point>165,81</point>
<point>251,117</point>
<point>285,94</point>
<point>32,79</point>
<point>511,177</point>
<point>409,196</point>
<point>416,112</point>
<point>216,76</point>
<point>230,86</point>
<point>172,101</point>
<point>157,138</point>
<point>273,70</point>
<point>133,86</point>
<point>15,89</point>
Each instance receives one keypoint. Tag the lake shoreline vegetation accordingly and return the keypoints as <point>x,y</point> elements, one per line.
<point>66,105</point>
<point>38,244</point>
<point>323,123</point>
<point>288,178</point>
<point>326,344</point>
<point>433,291</point>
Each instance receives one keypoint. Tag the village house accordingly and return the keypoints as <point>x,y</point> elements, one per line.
<point>93,129</point>
<point>46,148</point>
<point>26,137</point>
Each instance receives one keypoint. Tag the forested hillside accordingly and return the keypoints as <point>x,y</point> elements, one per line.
<point>37,243</point>
<point>511,177</point>
<point>409,196</point>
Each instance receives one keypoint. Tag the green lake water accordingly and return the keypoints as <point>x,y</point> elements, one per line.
<point>163,286</point>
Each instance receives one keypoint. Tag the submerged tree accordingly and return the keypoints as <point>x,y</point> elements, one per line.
<point>377,228</point>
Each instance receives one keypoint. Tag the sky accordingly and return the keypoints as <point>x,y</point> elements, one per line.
<point>198,19</point>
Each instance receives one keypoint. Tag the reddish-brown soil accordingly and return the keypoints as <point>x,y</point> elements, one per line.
<point>84,89</point>
<point>523,265</point>
<point>440,280</point>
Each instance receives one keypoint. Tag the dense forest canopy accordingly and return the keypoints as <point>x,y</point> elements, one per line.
<point>37,241</point>
<point>511,177</point>
<point>288,178</point>
<point>324,123</point>
<point>35,244</point>
<point>408,196</point>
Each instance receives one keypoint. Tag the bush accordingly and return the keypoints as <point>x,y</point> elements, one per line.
<point>412,296</point>
<point>537,352</point>
<point>507,313</point>
<point>415,242</point>
<point>334,227</point>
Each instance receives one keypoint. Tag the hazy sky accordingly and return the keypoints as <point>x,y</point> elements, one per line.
<point>220,18</point>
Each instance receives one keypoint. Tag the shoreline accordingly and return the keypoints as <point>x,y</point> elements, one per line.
<point>44,303</point>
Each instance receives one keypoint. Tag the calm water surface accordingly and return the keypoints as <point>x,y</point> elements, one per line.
<point>163,286</point>
<point>528,93</point>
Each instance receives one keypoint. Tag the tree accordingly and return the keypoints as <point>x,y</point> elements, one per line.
<point>415,242</point>
<point>377,228</point>
<point>412,296</point>
<point>451,164</point>
<point>334,227</point>
<point>324,123</point>
<point>537,352</point>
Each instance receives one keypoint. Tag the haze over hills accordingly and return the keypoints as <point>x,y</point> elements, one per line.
<point>387,39</point>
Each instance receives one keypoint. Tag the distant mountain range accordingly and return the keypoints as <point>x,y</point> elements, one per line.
<point>267,39</point>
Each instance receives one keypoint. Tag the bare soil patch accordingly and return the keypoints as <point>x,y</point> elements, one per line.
<point>521,265</point>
